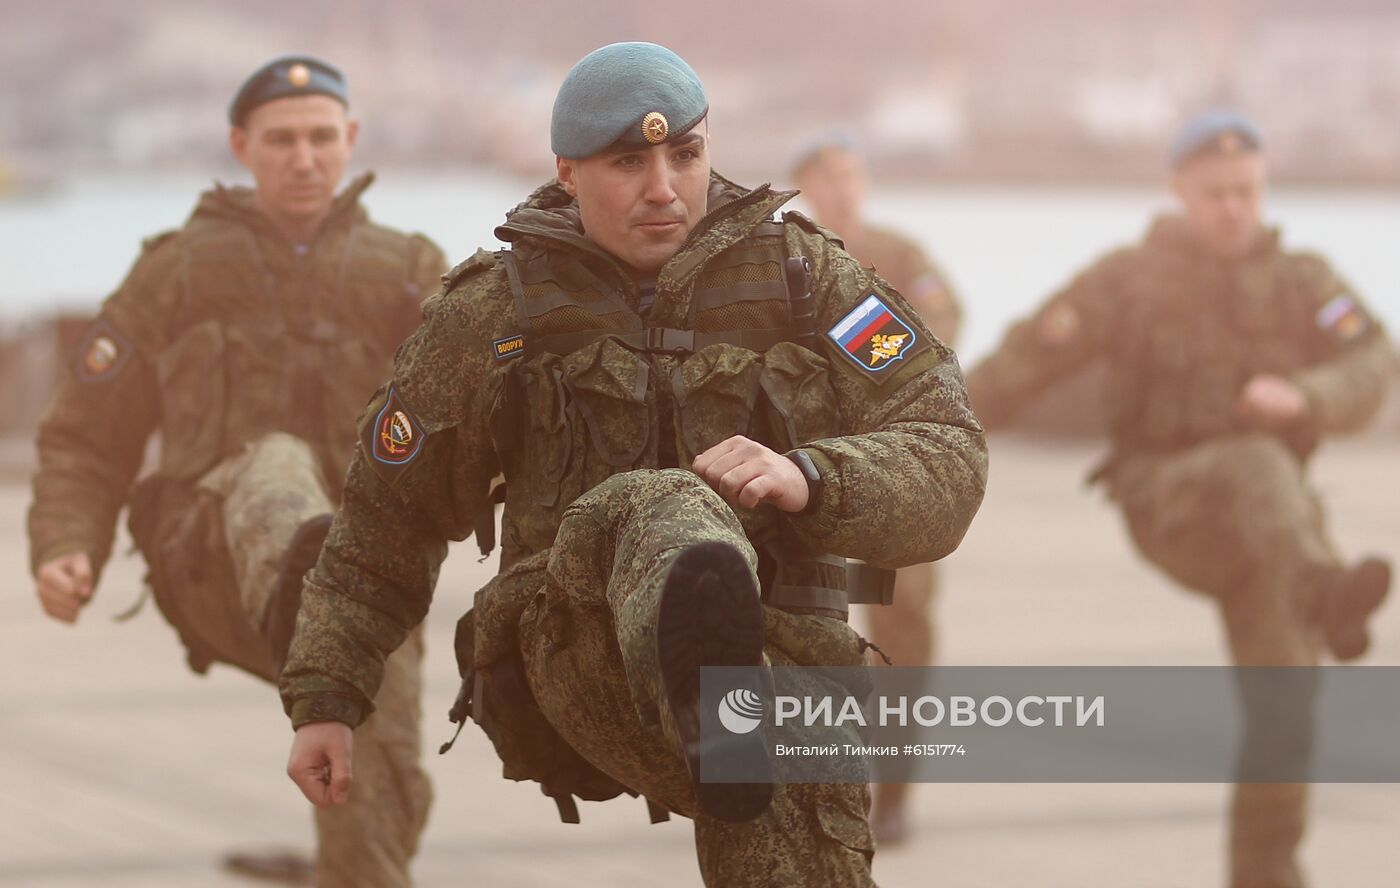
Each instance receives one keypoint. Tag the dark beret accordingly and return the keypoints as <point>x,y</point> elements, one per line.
<point>1215,132</point>
<point>287,76</point>
<point>628,95</point>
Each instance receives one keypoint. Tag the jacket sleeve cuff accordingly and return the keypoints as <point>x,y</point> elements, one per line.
<point>326,707</point>
<point>42,554</point>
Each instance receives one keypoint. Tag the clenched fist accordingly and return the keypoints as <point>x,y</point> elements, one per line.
<point>64,585</point>
<point>747,473</point>
<point>1271,401</point>
<point>320,762</point>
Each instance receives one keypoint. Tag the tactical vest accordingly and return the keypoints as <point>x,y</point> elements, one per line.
<point>597,393</point>
<point>243,360</point>
<point>591,391</point>
<point>1191,334</point>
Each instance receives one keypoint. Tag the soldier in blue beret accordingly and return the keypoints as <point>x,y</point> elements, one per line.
<point>1231,358</point>
<point>699,411</point>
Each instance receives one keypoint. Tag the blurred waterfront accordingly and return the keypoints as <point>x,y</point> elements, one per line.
<point>1005,248</point>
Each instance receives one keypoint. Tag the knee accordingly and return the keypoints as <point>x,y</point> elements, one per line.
<point>1254,456</point>
<point>281,447</point>
<point>647,482</point>
<point>621,494</point>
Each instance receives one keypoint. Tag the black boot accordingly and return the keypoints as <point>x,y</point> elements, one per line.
<point>710,615</point>
<point>1351,596</point>
<point>299,557</point>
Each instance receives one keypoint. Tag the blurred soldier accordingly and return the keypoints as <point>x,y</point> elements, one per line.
<point>831,176</point>
<point>669,435</point>
<point>249,338</point>
<point>1229,358</point>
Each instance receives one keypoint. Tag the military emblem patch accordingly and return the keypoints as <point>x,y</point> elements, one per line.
<point>872,335</point>
<point>397,435</point>
<point>1343,318</point>
<point>103,353</point>
<point>298,75</point>
<point>510,347</point>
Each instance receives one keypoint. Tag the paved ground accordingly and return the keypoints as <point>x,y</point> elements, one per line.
<point>118,768</point>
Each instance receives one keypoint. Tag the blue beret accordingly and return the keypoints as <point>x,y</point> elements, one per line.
<point>1219,131</point>
<point>287,76</point>
<point>817,145</point>
<point>625,94</point>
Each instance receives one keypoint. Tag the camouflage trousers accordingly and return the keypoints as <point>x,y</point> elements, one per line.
<point>223,555</point>
<point>1233,518</point>
<point>589,645</point>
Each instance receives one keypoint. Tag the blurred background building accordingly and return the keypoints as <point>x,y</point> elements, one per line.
<point>1083,90</point>
<point>1014,138</point>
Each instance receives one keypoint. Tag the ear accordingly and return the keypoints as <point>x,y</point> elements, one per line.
<point>238,143</point>
<point>564,172</point>
<point>352,132</point>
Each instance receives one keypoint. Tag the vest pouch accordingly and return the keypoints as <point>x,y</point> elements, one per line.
<point>796,383</point>
<point>349,379</point>
<point>608,411</point>
<point>715,391</point>
<point>261,374</point>
<point>549,442</point>
<point>193,395</point>
<point>497,695</point>
<point>1164,400</point>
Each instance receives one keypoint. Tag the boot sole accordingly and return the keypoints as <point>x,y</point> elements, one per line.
<point>710,615</point>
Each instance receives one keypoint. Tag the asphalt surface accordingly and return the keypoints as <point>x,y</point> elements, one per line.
<point>118,767</point>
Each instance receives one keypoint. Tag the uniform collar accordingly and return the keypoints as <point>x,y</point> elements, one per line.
<point>550,218</point>
<point>237,204</point>
<point>1170,232</point>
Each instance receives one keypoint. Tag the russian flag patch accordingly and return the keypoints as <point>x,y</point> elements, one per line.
<point>872,335</point>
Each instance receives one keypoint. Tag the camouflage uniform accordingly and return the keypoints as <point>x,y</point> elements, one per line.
<point>589,438</point>
<point>905,630</point>
<point>1220,506</point>
<point>251,355</point>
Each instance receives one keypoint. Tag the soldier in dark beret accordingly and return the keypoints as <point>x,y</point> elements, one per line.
<point>699,411</point>
<point>249,338</point>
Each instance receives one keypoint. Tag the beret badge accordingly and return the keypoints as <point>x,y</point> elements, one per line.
<point>655,127</point>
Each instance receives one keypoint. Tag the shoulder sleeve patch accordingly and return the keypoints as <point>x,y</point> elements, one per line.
<point>481,260</point>
<point>1344,319</point>
<point>103,354</point>
<point>1059,325</point>
<point>873,336</point>
<point>395,437</point>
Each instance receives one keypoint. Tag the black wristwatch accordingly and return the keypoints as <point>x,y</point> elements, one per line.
<point>815,485</point>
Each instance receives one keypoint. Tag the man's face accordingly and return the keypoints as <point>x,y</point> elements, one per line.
<point>641,204</point>
<point>833,184</point>
<point>297,149</point>
<point>1221,195</point>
